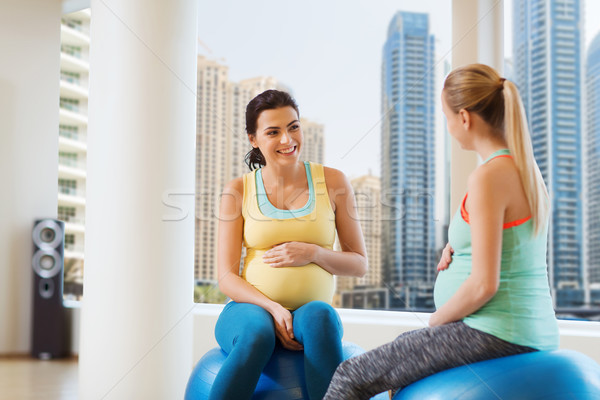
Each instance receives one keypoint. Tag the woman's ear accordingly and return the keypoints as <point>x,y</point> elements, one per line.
<point>465,118</point>
<point>252,140</point>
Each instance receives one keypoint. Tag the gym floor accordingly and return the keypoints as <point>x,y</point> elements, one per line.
<point>26,378</point>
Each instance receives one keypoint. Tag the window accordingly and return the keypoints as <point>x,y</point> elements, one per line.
<point>66,213</point>
<point>68,131</point>
<point>74,51</point>
<point>567,154</point>
<point>67,158</point>
<point>69,104</point>
<point>67,186</point>
<point>72,77</point>
<point>340,80</point>
<point>69,241</point>
<point>72,145</point>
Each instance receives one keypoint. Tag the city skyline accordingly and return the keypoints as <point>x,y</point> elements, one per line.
<point>335,50</point>
<point>547,48</point>
<point>331,60</point>
<point>398,101</point>
<point>593,170</point>
<point>76,158</point>
<point>367,192</point>
<point>407,161</point>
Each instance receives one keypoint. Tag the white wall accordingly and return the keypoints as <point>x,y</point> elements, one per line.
<point>29,92</point>
<point>370,329</point>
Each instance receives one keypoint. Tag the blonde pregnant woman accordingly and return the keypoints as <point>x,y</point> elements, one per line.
<point>492,294</point>
<point>286,214</point>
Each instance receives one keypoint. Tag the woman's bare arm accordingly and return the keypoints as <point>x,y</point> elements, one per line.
<point>486,215</point>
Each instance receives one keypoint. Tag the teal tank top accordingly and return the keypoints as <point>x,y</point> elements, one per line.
<point>269,210</point>
<point>521,311</point>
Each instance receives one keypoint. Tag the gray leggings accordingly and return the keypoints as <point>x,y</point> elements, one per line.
<point>413,356</point>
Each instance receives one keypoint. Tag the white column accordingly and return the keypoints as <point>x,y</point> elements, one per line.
<point>29,92</point>
<point>136,332</point>
<point>477,37</point>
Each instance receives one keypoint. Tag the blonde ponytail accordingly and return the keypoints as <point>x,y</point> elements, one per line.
<point>519,143</point>
<point>479,88</point>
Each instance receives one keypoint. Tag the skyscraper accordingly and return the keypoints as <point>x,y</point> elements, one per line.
<point>547,69</point>
<point>313,148</point>
<point>593,169</point>
<point>407,154</point>
<point>367,192</point>
<point>213,132</point>
<point>72,143</point>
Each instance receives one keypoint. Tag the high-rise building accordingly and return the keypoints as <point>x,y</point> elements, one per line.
<point>367,291</point>
<point>213,132</point>
<point>314,141</point>
<point>221,145</point>
<point>72,134</point>
<point>548,71</point>
<point>367,192</point>
<point>509,69</point>
<point>593,170</point>
<point>408,154</point>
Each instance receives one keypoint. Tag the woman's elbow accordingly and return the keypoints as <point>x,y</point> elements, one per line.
<point>487,290</point>
<point>224,282</point>
<point>221,285</point>
<point>363,267</point>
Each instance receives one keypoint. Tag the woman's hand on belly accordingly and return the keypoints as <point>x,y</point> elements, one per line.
<point>290,254</point>
<point>446,258</point>
<point>284,328</point>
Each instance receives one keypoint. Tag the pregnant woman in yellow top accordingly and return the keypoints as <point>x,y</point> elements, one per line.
<point>286,214</point>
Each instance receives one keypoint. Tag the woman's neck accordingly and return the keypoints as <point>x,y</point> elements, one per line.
<point>486,148</point>
<point>283,174</point>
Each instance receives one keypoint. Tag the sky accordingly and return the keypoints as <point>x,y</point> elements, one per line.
<point>329,54</point>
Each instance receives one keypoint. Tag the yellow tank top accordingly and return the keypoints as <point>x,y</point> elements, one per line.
<point>291,287</point>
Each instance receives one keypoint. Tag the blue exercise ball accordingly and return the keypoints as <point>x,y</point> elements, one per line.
<point>547,375</point>
<point>282,378</point>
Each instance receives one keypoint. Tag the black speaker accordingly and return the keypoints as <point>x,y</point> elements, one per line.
<point>49,339</point>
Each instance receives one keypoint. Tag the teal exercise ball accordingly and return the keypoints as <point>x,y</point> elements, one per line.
<point>282,378</point>
<point>547,375</point>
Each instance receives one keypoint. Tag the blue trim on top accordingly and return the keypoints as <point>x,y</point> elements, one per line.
<point>501,152</point>
<point>269,210</point>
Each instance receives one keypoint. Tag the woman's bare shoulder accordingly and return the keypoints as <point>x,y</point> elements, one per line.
<point>334,178</point>
<point>234,186</point>
<point>497,179</point>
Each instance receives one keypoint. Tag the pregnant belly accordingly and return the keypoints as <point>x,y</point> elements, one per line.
<point>448,282</point>
<point>292,287</point>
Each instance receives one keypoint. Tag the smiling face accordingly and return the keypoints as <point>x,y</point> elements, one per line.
<point>278,135</point>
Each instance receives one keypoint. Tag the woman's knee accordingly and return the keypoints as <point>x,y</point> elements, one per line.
<point>320,311</point>
<point>317,315</point>
<point>259,334</point>
<point>246,324</point>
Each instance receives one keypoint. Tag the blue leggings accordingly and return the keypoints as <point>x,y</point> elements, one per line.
<point>246,332</point>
